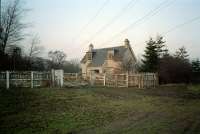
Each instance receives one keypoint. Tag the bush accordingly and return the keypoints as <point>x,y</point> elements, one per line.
<point>174,70</point>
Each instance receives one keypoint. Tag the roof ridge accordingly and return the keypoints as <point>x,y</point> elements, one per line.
<point>108,47</point>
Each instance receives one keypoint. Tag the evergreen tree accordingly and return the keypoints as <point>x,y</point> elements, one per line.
<point>150,57</point>
<point>161,47</point>
<point>154,51</point>
<point>196,65</point>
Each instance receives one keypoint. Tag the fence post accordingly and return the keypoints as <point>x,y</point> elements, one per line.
<point>61,78</point>
<point>32,79</point>
<point>76,76</point>
<point>116,80</point>
<point>156,79</point>
<point>7,80</point>
<point>140,80</point>
<point>138,77</point>
<point>52,78</point>
<point>127,80</point>
<point>104,79</point>
<point>92,78</point>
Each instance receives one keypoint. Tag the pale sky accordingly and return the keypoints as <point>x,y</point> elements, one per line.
<point>61,24</point>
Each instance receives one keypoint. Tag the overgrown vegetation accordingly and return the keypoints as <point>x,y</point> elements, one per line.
<point>172,109</point>
<point>171,68</point>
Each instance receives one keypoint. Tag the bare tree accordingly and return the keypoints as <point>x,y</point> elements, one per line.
<point>12,23</point>
<point>35,48</point>
<point>57,58</point>
<point>34,51</point>
<point>182,53</point>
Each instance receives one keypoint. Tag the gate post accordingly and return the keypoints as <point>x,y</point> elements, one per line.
<point>7,80</point>
<point>32,79</point>
<point>104,79</point>
<point>116,80</point>
<point>61,78</point>
<point>92,78</point>
<point>58,77</point>
<point>139,80</point>
<point>52,77</point>
<point>127,80</point>
<point>76,76</point>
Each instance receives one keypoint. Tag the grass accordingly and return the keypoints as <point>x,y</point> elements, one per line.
<point>166,110</point>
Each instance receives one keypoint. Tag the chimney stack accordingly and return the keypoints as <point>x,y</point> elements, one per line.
<point>91,47</point>
<point>89,53</point>
<point>126,43</point>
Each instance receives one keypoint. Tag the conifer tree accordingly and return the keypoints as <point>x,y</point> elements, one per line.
<point>196,65</point>
<point>153,52</point>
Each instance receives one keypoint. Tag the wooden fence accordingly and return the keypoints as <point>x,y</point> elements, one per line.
<point>57,78</point>
<point>25,79</point>
<point>141,80</point>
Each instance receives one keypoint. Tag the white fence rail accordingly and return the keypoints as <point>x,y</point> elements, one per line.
<point>58,77</point>
<point>25,79</point>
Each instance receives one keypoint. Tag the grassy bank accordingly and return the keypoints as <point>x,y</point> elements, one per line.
<point>166,110</point>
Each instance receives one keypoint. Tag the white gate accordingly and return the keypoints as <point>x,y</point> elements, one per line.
<point>57,77</point>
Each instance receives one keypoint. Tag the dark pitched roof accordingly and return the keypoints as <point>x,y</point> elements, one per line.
<point>99,55</point>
